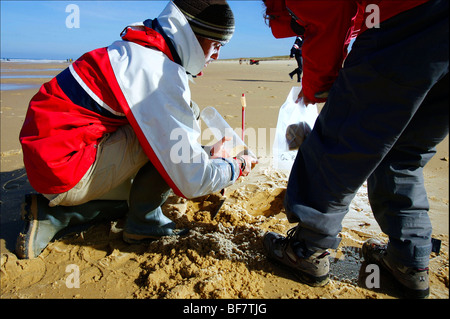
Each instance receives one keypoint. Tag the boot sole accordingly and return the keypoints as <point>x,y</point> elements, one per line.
<point>305,278</point>
<point>25,240</point>
<point>142,239</point>
<point>138,239</point>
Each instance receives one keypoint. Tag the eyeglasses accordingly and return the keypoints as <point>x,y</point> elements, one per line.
<point>217,44</point>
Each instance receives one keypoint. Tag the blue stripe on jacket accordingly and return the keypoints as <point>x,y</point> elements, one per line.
<point>79,96</point>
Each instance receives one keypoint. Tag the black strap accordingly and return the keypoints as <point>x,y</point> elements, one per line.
<point>435,245</point>
<point>154,24</point>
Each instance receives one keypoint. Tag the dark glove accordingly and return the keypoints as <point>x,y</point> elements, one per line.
<point>296,134</point>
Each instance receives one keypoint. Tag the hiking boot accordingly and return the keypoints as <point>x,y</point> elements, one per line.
<point>414,281</point>
<point>310,267</point>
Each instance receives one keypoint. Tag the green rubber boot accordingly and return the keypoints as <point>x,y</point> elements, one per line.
<point>146,221</point>
<point>43,222</point>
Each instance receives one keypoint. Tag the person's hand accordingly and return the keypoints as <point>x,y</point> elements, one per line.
<point>246,163</point>
<point>319,95</point>
<point>306,101</point>
<point>218,150</point>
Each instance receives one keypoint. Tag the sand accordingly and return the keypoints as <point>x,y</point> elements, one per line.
<point>220,257</point>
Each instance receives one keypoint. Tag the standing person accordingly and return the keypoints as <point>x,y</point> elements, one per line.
<point>386,109</point>
<point>103,138</point>
<point>296,52</point>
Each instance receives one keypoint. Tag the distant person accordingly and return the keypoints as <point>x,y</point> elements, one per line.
<point>296,52</point>
<point>116,131</point>
<point>386,110</point>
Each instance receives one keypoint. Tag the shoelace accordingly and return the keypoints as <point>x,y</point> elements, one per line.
<point>305,252</point>
<point>289,234</point>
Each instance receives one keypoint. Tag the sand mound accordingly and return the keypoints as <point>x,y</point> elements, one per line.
<point>220,257</point>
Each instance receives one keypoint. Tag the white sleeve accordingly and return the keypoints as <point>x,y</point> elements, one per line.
<point>158,97</point>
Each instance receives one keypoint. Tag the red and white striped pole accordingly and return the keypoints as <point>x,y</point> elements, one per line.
<point>244,104</point>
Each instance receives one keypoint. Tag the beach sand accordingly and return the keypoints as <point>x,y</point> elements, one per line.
<point>221,257</point>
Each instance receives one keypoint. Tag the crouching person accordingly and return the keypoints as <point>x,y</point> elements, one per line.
<point>97,138</point>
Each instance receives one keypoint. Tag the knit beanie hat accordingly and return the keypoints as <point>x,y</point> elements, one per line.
<point>211,19</point>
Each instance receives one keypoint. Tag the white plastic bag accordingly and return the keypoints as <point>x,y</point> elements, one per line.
<point>295,121</point>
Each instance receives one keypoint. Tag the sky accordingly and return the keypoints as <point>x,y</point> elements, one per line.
<point>38,29</point>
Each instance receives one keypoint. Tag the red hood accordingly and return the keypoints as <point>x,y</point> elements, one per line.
<point>148,38</point>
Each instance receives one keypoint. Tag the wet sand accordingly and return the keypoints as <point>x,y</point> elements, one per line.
<point>220,257</point>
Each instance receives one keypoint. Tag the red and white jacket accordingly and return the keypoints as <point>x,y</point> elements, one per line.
<point>329,27</point>
<point>134,81</point>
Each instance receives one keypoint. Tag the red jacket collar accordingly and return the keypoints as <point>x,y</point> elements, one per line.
<point>147,37</point>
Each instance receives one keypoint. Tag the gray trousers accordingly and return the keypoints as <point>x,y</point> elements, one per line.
<point>385,114</point>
